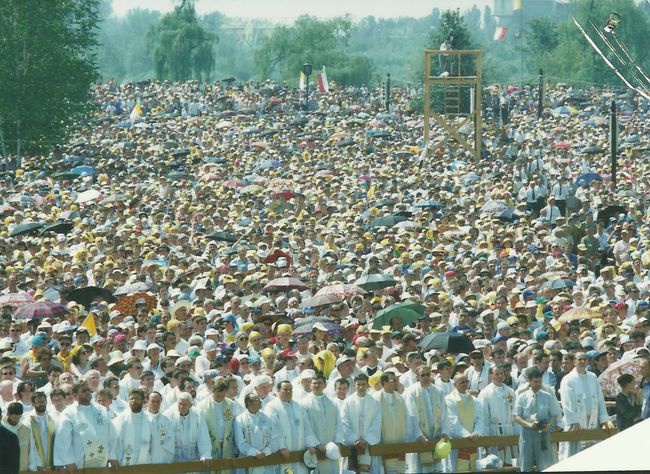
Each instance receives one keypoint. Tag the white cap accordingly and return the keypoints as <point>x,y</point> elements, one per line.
<point>209,345</point>
<point>153,346</point>
<point>139,345</point>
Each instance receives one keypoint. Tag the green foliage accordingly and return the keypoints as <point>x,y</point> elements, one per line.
<point>452,23</point>
<point>47,65</point>
<point>183,49</point>
<point>321,43</point>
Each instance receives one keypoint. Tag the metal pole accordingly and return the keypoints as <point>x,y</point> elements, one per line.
<point>388,93</point>
<point>307,94</point>
<point>540,93</point>
<point>613,146</point>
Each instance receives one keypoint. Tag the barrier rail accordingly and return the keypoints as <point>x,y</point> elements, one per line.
<point>377,450</point>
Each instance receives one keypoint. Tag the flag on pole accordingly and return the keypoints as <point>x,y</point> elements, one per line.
<point>89,323</point>
<point>303,81</point>
<point>517,5</point>
<point>137,111</point>
<point>323,85</point>
<point>500,33</point>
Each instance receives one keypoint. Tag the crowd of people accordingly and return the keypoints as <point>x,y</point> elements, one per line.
<point>210,271</point>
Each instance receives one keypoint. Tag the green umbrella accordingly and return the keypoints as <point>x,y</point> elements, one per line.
<point>407,312</point>
<point>65,176</point>
<point>375,281</point>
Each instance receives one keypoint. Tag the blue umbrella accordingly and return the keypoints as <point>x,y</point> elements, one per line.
<point>587,178</point>
<point>268,164</point>
<point>429,204</point>
<point>455,165</point>
<point>123,125</point>
<point>497,208</point>
<point>89,170</point>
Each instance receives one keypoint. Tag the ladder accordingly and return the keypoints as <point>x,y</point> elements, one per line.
<point>451,100</point>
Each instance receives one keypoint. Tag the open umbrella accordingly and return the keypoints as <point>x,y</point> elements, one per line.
<point>65,176</point>
<point>332,328</point>
<point>447,342</point>
<point>139,286</point>
<point>608,378</point>
<point>115,197</point>
<point>40,310</point>
<point>604,215</point>
<point>586,178</point>
<point>89,170</point>
<point>285,284</point>
<point>387,221</point>
<point>217,160</point>
<point>376,281</point>
<point>26,228</point>
<point>592,150</point>
<point>341,290</point>
<point>251,189</point>
<point>429,204</point>
<point>578,313</point>
<point>384,202</point>
<point>268,164</point>
<point>406,312</point>
<point>496,208</point>
<point>15,299</point>
<point>321,300</point>
<point>234,183</point>
<point>61,227</point>
<point>223,236</point>
<point>558,284</point>
<point>86,295</point>
<point>87,196</point>
<point>127,304</point>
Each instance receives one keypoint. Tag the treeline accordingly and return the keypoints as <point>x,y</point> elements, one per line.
<point>182,45</point>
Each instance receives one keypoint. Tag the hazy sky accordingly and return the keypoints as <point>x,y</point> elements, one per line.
<point>289,9</point>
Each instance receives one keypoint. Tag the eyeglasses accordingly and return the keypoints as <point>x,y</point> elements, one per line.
<point>138,367</point>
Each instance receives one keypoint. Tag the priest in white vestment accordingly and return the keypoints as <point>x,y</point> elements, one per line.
<point>134,432</point>
<point>219,414</point>
<point>583,404</point>
<point>498,402</point>
<point>362,424</point>
<point>163,445</point>
<point>85,436</point>
<point>426,404</point>
<point>326,424</point>
<point>466,418</point>
<point>255,434</point>
<point>190,431</point>
<point>397,425</point>
<point>295,430</point>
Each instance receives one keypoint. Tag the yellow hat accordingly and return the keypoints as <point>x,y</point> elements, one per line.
<point>267,352</point>
<point>284,329</point>
<point>254,334</point>
<point>172,324</point>
<point>246,326</point>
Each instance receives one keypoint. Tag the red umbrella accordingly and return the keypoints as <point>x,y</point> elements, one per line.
<point>285,284</point>
<point>272,258</point>
<point>286,195</point>
<point>341,290</point>
<point>40,310</point>
<point>321,300</point>
<point>234,183</point>
<point>126,304</point>
<point>562,145</point>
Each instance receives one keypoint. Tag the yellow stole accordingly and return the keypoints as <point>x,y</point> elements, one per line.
<point>23,442</point>
<point>429,431</point>
<point>465,408</point>
<point>393,434</point>
<point>36,431</point>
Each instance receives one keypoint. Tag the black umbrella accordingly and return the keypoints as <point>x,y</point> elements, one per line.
<point>592,150</point>
<point>65,176</point>
<point>448,342</point>
<point>387,221</point>
<point>85,296</point>
<point>61,227</point>
<point>611,211</point>
<point>180,152</point>
<point>26,228</point>
<point>222,235</point>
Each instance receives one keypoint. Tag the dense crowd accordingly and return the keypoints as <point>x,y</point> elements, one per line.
<point>210,271</point>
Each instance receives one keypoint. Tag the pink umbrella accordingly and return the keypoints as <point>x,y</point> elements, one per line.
<point>15,299</point>
<point>286,284</point>
<point>562,145</point>
<point>341,290</point>
<point>608,378</point>
<point>234,183</point>
<point>324,173</point>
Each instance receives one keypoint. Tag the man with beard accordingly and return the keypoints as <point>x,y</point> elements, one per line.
<point>134,432</point>
<point>42,426</point>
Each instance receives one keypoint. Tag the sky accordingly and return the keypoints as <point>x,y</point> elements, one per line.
<point>291,9</point>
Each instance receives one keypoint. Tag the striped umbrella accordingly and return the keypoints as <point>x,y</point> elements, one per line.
<point>40,310</point>
<point>15,299</point>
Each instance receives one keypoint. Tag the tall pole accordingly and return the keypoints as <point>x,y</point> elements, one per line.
<point>307,94</point>
<point>613,137</point>
<point>388,93</point>
<point>521,45</point>
<point>540,94</point>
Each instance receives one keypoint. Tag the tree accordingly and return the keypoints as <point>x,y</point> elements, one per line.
<point>320,43</point>
<point>452,23</point>
<point>183,49</point>
<point>47,65</point>
<point>540,40</point>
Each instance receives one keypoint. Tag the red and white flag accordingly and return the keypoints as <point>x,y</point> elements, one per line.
<point>323,85</point>
<point>500,33</point>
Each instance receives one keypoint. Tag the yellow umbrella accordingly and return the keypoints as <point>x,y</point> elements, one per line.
<point>576,314</point>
